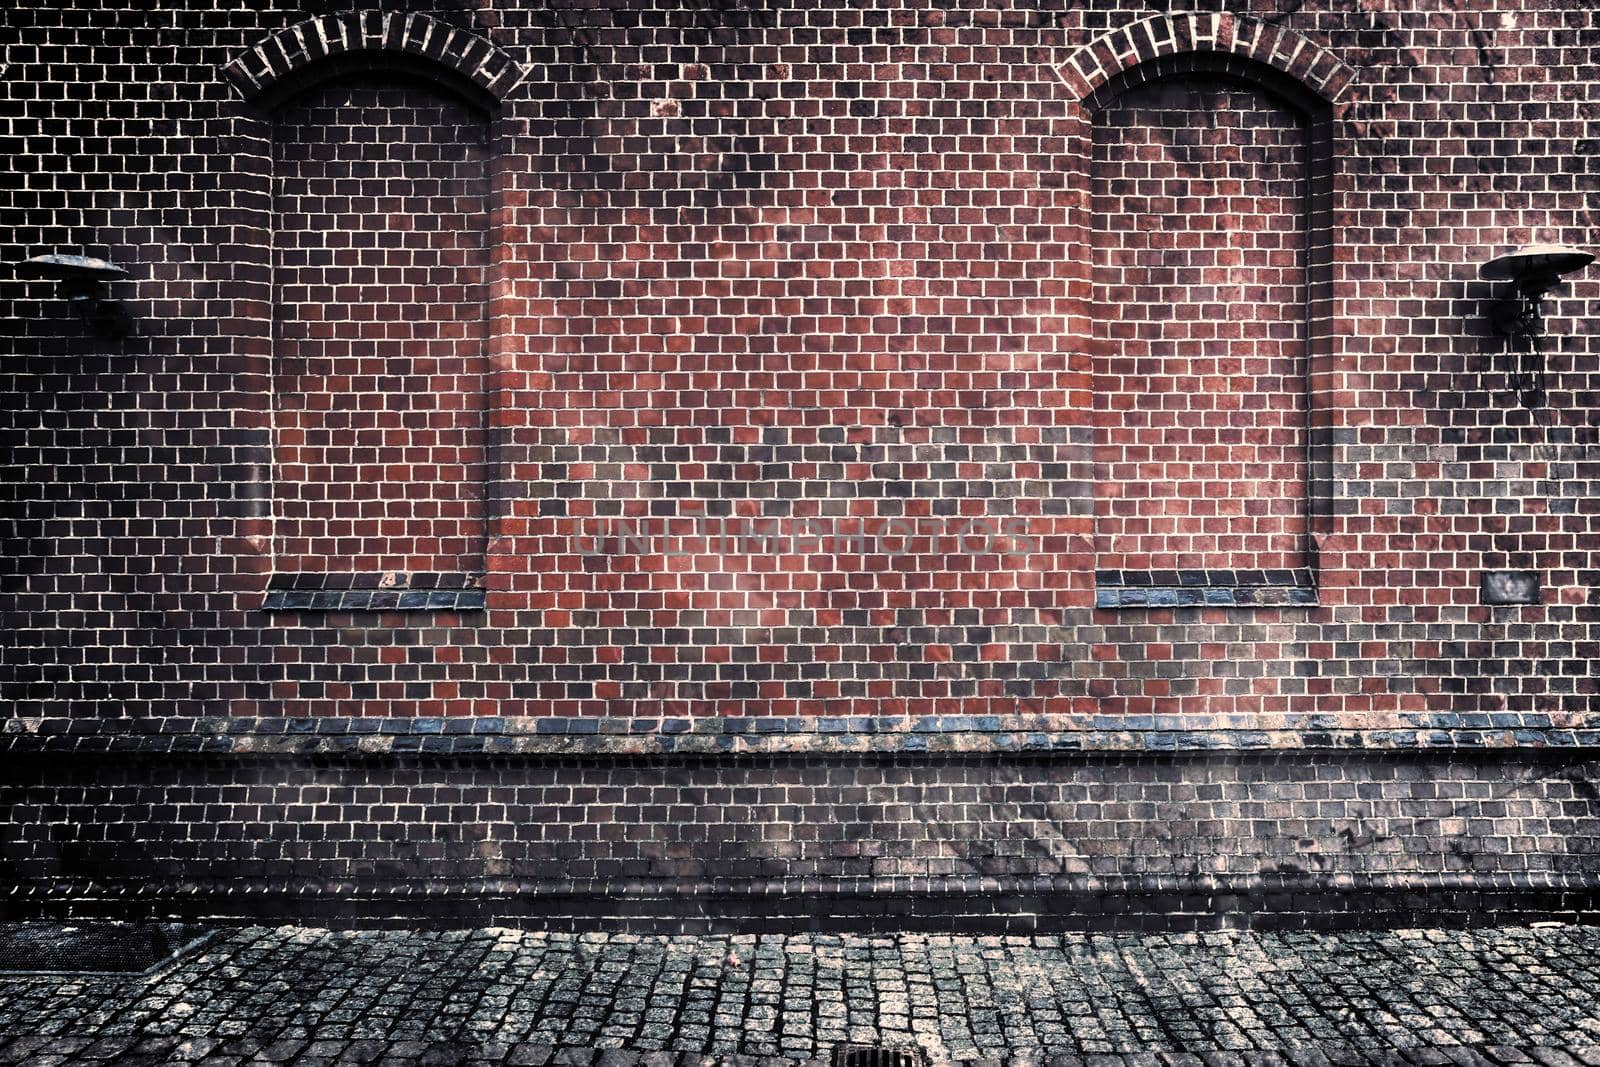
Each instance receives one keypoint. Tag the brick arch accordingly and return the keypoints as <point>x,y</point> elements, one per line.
<point>1167,44</point>
<point>1305,79</point>
<point>317,49</point>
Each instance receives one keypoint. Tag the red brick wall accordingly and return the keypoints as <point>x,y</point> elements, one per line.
<point>380,237</point>
<point>837,263</point>
<point>1201,209</point>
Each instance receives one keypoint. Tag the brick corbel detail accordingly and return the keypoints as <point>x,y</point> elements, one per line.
<point>1093,66</point>
<point>306,52</point>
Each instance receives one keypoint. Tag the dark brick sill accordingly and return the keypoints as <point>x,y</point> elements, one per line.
<point>1205,588</point>
<point>374,591</point>
<point>617,737</point>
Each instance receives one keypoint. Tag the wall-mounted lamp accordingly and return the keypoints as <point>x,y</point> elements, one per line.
<point>1533,271</point>
<point>81,282</point>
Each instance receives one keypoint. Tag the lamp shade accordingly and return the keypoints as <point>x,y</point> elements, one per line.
<point>1536,260</point>
<point>63,267</point>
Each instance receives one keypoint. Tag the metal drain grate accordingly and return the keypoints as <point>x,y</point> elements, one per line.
<point>876,1056</point>
<point>95,948</point>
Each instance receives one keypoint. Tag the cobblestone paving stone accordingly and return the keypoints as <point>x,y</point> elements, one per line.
<point>309,997</point>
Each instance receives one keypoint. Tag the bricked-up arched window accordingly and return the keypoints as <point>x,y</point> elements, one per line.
<point>380,254</point>
<point>1202,186</point>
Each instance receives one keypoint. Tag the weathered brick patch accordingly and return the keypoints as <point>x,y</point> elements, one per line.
<point>306,996</point>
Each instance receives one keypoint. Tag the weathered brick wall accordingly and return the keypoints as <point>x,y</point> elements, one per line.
<point>824,817</point>
<point>719,362</point>
<point>1005,842</point>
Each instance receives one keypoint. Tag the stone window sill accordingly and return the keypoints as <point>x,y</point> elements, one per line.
<point>375,591</point>
<point>1205,589</point>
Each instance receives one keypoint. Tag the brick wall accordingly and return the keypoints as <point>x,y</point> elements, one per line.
<point>738,365</point>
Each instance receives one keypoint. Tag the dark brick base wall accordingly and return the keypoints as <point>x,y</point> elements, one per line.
<point>1004,841</point>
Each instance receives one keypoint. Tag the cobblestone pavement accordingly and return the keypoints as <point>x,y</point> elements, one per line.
<point>506,996</point>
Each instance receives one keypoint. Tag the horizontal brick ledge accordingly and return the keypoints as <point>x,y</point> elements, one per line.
<point>1238,596</point>
<point>1238,884</point>
<point>375,600</point>
<point>372,591</point>
<point>954,735</point>
<point>1295,587</point>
